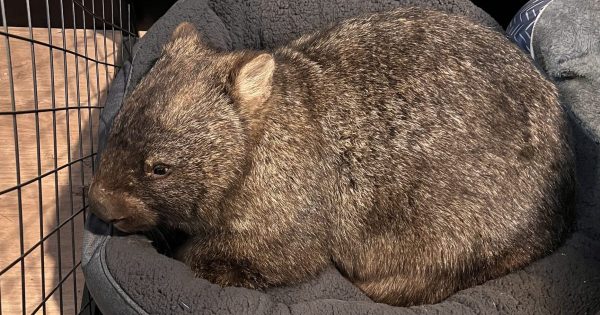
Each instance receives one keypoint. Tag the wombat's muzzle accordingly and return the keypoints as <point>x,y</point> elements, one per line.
<point>104,204</point>
<point>126,212</point>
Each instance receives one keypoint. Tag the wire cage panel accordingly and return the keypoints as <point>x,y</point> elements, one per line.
<point>55,67</point>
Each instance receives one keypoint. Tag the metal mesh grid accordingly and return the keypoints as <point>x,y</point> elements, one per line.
<point>54,72</point>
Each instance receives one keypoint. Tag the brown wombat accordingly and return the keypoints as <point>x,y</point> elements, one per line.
<point>418,152</point>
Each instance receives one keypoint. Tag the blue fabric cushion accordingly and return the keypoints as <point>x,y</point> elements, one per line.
<point>520,28</point>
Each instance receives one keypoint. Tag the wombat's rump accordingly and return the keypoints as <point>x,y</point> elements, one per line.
<point>418,152</point>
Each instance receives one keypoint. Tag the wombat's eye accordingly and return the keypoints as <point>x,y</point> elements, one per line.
<point>160,170</point>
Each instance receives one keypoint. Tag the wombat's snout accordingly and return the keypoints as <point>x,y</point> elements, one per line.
<point>127,213</point>
<point>102,204</point>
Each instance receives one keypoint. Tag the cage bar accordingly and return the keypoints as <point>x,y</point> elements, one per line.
<point>55,91</point>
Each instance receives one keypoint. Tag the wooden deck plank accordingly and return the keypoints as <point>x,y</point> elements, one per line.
<point>62,81</point>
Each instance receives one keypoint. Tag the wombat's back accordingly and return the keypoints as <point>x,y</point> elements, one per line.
<point>451,151</point>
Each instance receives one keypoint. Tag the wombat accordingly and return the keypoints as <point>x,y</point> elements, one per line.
<point>417,152</point>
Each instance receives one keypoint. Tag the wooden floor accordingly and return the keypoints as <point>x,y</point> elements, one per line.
<point>66,91</point>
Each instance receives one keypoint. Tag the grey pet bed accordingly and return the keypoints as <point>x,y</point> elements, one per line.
<point>127,275</point>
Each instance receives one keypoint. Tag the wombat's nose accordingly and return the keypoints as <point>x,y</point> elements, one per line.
<point>102,204</point>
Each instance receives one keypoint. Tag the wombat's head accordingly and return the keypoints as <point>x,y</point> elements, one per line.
<point>180,141</point>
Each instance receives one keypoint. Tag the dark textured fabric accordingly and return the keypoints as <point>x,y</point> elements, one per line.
<point>566,282</point>
<point>566,44</point>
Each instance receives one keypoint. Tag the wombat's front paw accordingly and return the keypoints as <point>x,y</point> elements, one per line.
<point>227,273</point>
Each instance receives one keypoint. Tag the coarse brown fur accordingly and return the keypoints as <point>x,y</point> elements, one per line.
<point>418,152</point>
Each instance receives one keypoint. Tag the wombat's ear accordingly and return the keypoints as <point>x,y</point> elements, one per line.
<point>185,30</point>
<point>186,36</point>
<point>251,87</point>
<point>252,83</point>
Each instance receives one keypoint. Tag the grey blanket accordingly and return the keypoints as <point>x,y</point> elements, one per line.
<point>126,275</point>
